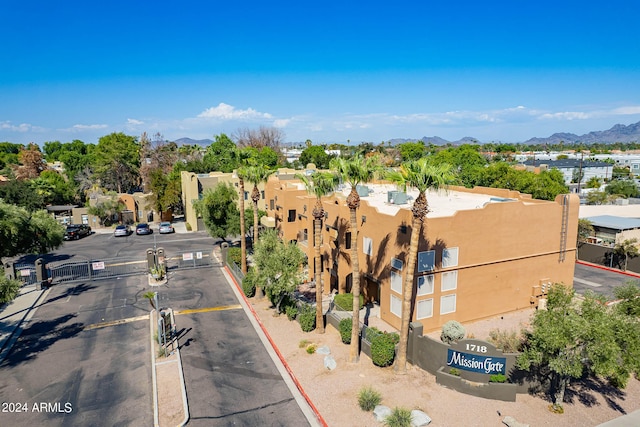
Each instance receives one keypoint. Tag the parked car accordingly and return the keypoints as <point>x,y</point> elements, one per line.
<point>122,230</point>
<point>143,228</point>
<point>166,227</point>
<point>76,231</point>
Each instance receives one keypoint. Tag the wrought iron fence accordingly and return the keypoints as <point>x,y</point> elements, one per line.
<point>26,273</point>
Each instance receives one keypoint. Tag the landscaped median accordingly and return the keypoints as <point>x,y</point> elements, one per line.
<point>169,392</point>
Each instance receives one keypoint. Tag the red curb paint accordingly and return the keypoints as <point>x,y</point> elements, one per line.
<point>612,270</point>
<point>284,362</point>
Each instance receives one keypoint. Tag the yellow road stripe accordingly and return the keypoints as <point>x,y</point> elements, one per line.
<point>205,310</point>
<point>116,322</point>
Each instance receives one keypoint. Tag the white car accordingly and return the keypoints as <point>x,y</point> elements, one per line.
<point>166,227</point>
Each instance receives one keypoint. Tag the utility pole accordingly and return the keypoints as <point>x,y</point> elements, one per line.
<point>580,171</point>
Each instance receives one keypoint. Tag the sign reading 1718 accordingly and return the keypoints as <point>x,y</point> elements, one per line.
<point>474,357</point>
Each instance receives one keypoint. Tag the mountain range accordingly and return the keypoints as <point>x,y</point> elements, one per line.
<point>618,133</point>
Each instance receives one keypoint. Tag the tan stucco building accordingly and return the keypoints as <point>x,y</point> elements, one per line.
<point>482,252</point>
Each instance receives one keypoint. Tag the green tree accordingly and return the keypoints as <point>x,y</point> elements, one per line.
<point>116,161</point>
<point>219,211</point>
<point>585,229</point>
<point>355,171</point>
<point>22,193</point>
<point>629,299</point>
<point>54,189</point>
<point>622,187</point>
<point>627,249</point>
<point>106,210</point>
<point>571,339</point>
<point>423,176</point>
<point>319,184</point>
<point>279,266</point>
<point>594,182</point>
<point>412,150</point>
<point>256,175</point>
<point>466,161</point>
<point>222,154</point>
<point>315,154</point>
<point>9,288</point>
<point>23,232</point>
<point>596,198</point>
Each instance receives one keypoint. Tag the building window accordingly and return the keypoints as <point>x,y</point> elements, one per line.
<point>449,281</point>
<point>396,305</point>
<point>425,284</point>
<point>450,257</point>
<point>448,304</point>
<point>396,282</point>
<point>304,237</point>
<point>347,240</point>
<point>424,308</point>
<point>246,195</point>
<point>426,261</point>
<point>292,215</point>
<point>262,194</point>
<point>272,204</point>
<point>367,246</point>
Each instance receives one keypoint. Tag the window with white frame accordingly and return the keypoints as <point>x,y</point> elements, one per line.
<point>448,304</point>
<point>426,261</point>
<point>425,284</point>
<point>424,308</point>
<point>449,257</point>
<point>396,282</point>
<point>449,280</point>
<point>396,305</point>
<point>367,246</point>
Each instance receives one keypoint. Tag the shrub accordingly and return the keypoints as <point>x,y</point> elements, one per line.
<point>9,289</point>
<point>454,371</point>
<point>344,302</point>
<point>291,311</point>
<point>307,317</point>
<point>399,417</point>
<point>452,332</point>
<point>498,378</point>
<point>188,226</point>
<point>368,399</point>
<point>311,348</point>
<point>383,349</point>
<point>344,327</point>
<point>303,343</point>
<point>248,283</point>
<point>371,332</point>
<point>235,255</point>
<point>507,341</point>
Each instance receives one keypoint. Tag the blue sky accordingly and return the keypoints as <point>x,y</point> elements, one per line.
<point>330,71</point>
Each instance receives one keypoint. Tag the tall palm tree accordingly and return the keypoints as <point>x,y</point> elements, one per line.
<point>319,184</point>
<point>355,171</point>
<point>423,176</point>
<point>243,241</point>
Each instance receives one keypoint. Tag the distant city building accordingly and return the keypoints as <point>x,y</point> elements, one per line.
<point>572,168</point>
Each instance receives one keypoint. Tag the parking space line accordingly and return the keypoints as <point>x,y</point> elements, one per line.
<point>587,282</point>
<point>116,322</point>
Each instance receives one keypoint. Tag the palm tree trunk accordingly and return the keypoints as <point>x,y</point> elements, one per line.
<point>243,243</point>
<point>255,222</point>
<point>354,348</point>
<point>407,297</point>
<point>317,274</point>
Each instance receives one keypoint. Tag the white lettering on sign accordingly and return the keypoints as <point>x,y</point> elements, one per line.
<point>478,348</point>
<point>187,257</point>
<point>480,364</point>
<point>97,265</point>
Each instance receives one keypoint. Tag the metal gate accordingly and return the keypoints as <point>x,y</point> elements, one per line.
<point>66,271</point>
<point>26,273</point>
<point>196,258</point>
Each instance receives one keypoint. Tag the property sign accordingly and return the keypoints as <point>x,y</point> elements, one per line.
<point>97,265</point>
<point>187,256</point>
<point>490,365</point>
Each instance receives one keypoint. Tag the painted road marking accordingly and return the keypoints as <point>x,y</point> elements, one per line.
<point>205,310</point>
<point>116,322</point>
<point>587,282</point>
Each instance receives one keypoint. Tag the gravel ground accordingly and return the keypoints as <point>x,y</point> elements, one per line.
<point>334,393</point>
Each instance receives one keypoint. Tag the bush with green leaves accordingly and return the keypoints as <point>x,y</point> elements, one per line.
<point>399,417</point>
<point>248,283</point>
<point>291,311</point>
<point>371,332</point>
<point>235,255</point>
<point>307,317</point>
<point>368,399</point>
<point>452,332</point>
<point>498,378</point>
<point>9,289</point>
<point>344,327</point>
<point>383,348</point>
<point>344,302</point>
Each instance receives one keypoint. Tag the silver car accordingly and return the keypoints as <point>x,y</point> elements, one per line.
<point>166,227</point>
<point>122,230</point>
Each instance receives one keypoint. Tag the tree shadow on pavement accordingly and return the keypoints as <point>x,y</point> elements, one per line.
<point>39,336</point>
<point>586,390</point>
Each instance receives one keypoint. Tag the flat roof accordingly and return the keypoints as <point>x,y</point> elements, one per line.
<point>615,222</point>
<point>441,203</point>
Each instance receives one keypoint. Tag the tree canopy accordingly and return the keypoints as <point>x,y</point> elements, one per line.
<point>219,211</point>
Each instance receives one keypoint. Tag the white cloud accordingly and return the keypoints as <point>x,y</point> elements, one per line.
<point>567,115</point>
<point>22,127</point>
<point>229,112</point>
<point>281,123</point>
<point>134,122</point>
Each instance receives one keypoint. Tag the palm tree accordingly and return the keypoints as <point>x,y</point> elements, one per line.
<point>355,171</point>
<point>243,241</point>
<point>151,297</point>
<point>319,184</point>
<point>627,249</point>
<point>256,174</point>
<point>424,176</point>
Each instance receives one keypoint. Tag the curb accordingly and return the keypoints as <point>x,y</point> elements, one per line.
<point>609,269</point>
<point>238,290</point>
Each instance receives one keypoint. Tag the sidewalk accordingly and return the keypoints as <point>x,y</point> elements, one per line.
<point>16,314</point>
